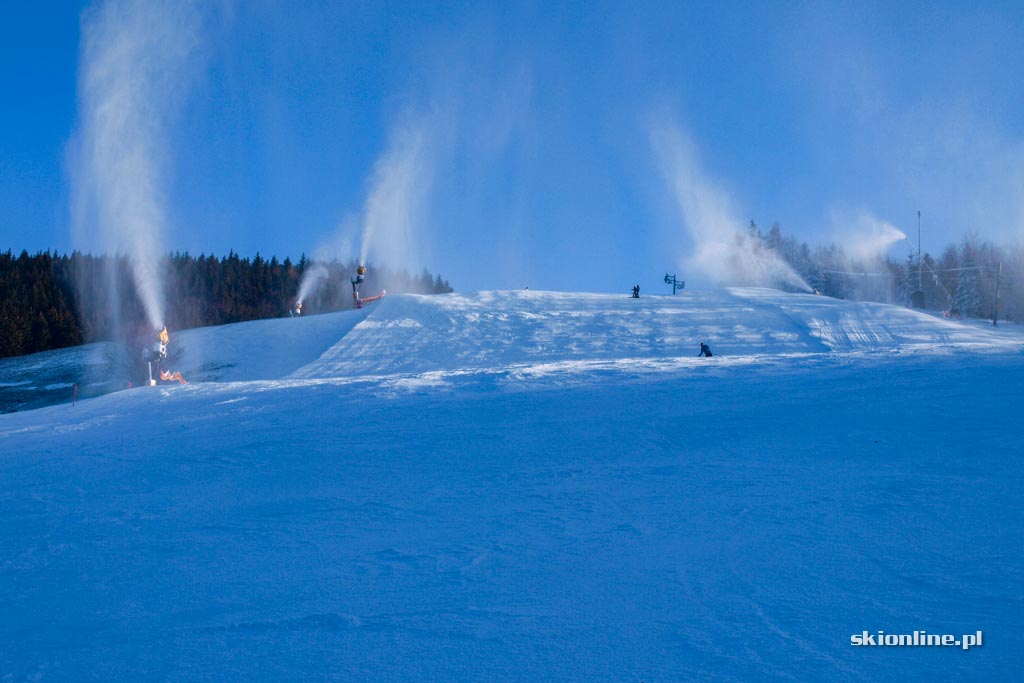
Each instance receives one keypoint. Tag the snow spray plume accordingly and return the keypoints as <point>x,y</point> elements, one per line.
<point>134,61</point>
<point>314,274</point>
<point>337,249</point>
<point>865,237</point>
<point>723,252</point>
<point>400,183</point>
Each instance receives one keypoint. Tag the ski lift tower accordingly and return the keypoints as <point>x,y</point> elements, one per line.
<point>677,285</point>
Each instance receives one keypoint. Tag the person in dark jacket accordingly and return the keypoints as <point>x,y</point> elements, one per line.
<point>704,351</point>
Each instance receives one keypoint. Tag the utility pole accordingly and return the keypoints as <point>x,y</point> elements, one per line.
<point>920,282</point>
<point>995,306</point>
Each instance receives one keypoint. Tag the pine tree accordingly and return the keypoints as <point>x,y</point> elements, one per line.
<point>49,301</point>
<point>968,301</point>
<point>906,282</point>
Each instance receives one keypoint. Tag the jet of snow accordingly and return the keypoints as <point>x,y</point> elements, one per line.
<point>401,181</point>
<point>722,250</point>
<point>312,277</point>
<point>388,226</point>
<point>135,61</point>
<point>865,237</point>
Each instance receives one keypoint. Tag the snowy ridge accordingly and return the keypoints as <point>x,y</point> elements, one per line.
<point>527,334</point>
<point>411,341</point>
<point>849,325</point>
<point>260,349</point>
<point>503,330</point>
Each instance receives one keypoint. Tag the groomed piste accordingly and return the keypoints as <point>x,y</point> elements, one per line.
<point>530,485</point>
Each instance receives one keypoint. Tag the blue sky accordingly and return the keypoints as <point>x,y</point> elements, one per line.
<point>536,163</point>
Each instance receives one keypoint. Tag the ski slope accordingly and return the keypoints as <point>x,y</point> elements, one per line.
<point>529,485</point>
<point>491,330</point>
<point>519,332</point>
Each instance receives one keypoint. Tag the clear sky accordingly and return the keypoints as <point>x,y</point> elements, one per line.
<point>534,161</point>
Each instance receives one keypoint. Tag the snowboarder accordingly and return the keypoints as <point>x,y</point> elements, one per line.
<point>705,351</point>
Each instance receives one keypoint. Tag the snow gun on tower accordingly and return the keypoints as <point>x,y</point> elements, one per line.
<point>357,281</point>
<point>155,357</point>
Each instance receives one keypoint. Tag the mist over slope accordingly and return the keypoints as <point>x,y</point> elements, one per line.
<point>530,485</point>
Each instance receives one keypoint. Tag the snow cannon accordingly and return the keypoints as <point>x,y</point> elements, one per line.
<point>156,356</point>
<point>157,353</point>
<point>356,281</point>
<point>371,299</point>
<point>358,301</point>
<point>297,311</point>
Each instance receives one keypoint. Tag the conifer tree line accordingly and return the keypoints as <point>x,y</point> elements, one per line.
<point>51,301</point>
<point>962,281</point>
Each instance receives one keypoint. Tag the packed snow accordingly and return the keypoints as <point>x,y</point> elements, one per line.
<point>528,485</point>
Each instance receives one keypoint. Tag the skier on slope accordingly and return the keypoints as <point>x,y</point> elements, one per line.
<point>705,351</point>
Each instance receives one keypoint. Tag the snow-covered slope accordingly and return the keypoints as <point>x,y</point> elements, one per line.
<point>261,349</point>
<point>525,485</point>
<point>522,332</point>
<point>491,330</point>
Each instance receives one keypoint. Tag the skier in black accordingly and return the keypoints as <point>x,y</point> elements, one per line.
<point>704,351</point>
<point>636,291</point>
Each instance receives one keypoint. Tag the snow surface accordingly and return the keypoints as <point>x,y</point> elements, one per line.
<point>530,485</point>
<point>260,349</point>
<point>47,378</point>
